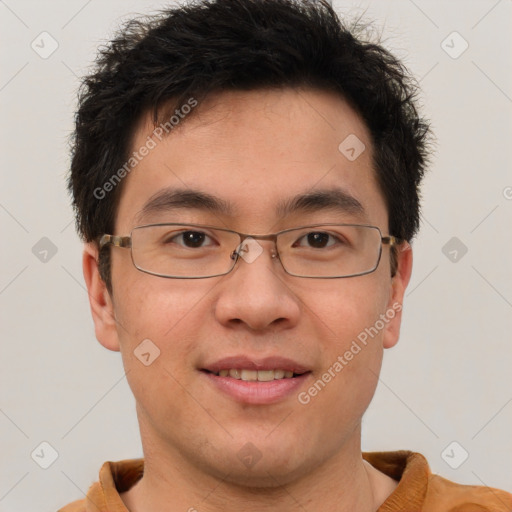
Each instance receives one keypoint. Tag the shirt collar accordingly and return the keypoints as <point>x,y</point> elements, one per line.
<point>409,468</point>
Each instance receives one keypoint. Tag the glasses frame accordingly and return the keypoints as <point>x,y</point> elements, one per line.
<point>125,242</point>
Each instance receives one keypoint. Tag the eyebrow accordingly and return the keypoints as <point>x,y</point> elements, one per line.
<point>334,199</point>
<point>170,199</point>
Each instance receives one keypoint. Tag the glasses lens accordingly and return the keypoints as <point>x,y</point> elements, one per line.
<point>330,251</point>
<point>183,250</point>
<point>193,251</point>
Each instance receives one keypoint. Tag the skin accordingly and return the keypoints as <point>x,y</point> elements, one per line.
<point>253,149</point>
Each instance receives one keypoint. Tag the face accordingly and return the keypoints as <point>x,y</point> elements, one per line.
<point>253,152</point>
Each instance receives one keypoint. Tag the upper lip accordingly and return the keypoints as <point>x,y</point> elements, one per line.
<point>253,363</point>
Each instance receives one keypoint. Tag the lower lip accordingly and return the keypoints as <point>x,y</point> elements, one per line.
<point>255,392</point>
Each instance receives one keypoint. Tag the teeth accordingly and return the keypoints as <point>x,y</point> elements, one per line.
<point>249,374</point>
<point>266,375</point>
<point>256,375</point>
<point>235,374</point>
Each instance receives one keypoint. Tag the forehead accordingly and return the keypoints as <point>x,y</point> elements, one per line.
<point>255,152</point>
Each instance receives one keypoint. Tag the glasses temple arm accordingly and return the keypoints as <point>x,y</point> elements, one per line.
<point>392,241</point>
<point>117,241</point>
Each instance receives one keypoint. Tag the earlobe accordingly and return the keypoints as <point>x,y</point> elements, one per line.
<point>100,301</point>
<point>398,286</point>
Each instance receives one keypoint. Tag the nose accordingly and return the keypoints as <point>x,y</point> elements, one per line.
<point>256,292</point>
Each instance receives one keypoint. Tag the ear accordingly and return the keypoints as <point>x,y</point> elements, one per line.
<point>398,285</point>
<point>102,307</point>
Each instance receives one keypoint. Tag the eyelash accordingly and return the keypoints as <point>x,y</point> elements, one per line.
<point>302,237</point>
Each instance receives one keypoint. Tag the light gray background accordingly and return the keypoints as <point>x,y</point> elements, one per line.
<point>447,380</point>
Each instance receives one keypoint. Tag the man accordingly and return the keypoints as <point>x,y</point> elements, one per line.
<point>245,175</point>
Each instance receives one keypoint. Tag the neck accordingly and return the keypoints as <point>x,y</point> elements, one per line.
<point>343,483</point>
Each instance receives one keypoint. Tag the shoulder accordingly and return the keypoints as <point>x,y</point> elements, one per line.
<point>446,495</point>
<point>103,495</point>
<point>76,506</point>
<point>419,489</point>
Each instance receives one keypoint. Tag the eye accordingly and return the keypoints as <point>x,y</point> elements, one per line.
<point>317,240</point>
<point>191,239</point>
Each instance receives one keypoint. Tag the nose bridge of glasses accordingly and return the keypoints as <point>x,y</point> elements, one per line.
<point>250,248</point>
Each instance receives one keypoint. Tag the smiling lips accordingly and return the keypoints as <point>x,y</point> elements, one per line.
<point>256,381</point>
<point>253,369</point>
<point>256,375</point>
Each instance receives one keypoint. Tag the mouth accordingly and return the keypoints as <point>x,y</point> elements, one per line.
<point>248,375</point>
<point>251,381</point>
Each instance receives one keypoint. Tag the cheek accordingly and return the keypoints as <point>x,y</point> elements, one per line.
<point>353,348</point>
<point>161,318</point>
<point>152,307</point>
<point>350,330</point>
<point>346,309</point>
<point>159,324</point>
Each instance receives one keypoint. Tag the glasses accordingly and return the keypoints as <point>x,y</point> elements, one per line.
<point>194,251</point>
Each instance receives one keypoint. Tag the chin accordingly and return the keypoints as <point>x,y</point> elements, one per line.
<point>260,464</point>
<point>264,474</point>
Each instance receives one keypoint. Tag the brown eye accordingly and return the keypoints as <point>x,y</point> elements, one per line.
<point>193,238</point>
<point>190,239</point>
<point>316,240</point>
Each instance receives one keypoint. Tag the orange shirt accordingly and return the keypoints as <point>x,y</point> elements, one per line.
<point>418,489</point>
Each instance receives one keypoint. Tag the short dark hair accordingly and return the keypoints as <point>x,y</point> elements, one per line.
<point>157,64</point>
